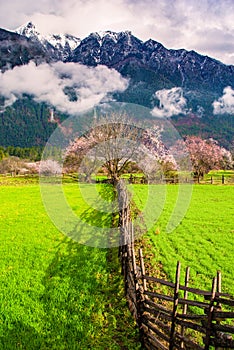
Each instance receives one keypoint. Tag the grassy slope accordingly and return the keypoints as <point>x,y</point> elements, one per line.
<point>55,293</point>
<point>203,240</point>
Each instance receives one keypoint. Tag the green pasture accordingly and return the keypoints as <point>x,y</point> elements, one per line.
<point>56,293</point>
<point>203,240</point>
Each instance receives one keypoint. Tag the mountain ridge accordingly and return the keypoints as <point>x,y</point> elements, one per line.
<point>183,68</point>
<point>60,46</point>
<point>148,65</point>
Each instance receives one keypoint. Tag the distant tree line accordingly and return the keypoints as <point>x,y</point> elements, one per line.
<point>102,149</point>
<point>29,153</point>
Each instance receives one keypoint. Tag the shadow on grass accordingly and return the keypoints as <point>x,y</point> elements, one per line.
<point>85,303</point>
<point>95,226</point>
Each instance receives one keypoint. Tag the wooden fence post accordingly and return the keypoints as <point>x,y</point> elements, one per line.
<point>142,269</point>
<point>210,315</point>
<point>219,286</point>
<point>219,290</point>
<point>185,308</point>
<point>141,297</point>
<point>176,301</point>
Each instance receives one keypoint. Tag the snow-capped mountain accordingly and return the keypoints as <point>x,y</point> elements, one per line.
<point>60,41</point>
<point>180,67</point>
<point>148,63</point>
<point>29,30</point>
<point>149,67</point>
<point>59,46</point>
<point>124,52</point>
<point>16,50</point>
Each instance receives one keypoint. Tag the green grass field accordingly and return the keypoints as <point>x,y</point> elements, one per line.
<point>58,294</point>
<point>54,292</point>
<point>204,238</point>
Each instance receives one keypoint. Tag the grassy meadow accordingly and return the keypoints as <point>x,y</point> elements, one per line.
<point>204,238</point>
<point>56,293</point>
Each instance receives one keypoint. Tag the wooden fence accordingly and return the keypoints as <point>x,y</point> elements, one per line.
<point>172,315</point>
<point>161,179</point>
<point>213,180</point>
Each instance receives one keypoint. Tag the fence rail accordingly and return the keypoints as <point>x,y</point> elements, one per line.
<point>161,179</point>
<point>207,179</point>
<point>172,315</point>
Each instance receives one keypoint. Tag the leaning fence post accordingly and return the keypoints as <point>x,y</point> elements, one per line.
<point>142,269</point>
<point>141,296</point>
<point>210,314</point>
<point>136,312</point>
<point>176,302</point>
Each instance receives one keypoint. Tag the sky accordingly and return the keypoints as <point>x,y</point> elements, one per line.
<point>206,26</point>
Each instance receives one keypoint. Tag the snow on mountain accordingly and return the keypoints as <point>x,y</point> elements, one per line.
<point>28,30</point>
<point>62,40</point>
<point>109,34</point>
<point>62,44</point>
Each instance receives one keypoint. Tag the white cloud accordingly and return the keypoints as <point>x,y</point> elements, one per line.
<point>172,102</point>
<point>203,25</point>
<point>225,104</point>
<point>46,83</point>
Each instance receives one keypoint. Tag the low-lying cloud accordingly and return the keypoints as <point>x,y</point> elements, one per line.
<point>172,102</point>
<point>225,104</point>
<point>50,83</point>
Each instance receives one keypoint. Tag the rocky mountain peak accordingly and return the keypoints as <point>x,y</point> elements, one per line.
<point>28,30</point>
<point>60,46</point>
